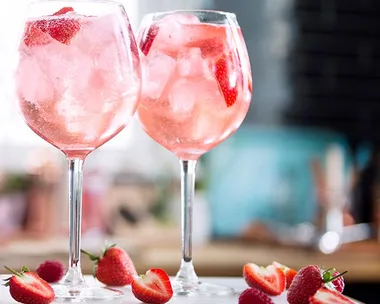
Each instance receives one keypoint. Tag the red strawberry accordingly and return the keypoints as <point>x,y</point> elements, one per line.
<point>269,279</point>
<point>326,296</point>
<point>61,29</point>
<point>34,36</point>
<point>154,287</point>
<point>146,41</point>
<point>228,86</point>
<point>289,273</point>
<point>307,281</point>
<point>114,267</point>
<point>51,271</point>
<point>64,10</point>
<point>28,288</point>
<point>338,282</point>
<point>253,295</point>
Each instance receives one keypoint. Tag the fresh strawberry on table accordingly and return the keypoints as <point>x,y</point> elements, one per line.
<point>52,271</point>
<point>327,296</point>
<point>308,281</point>
<point>113,267</point>
<point>253,295</point>
<point>270,279</point>
<point>153,288</point>
<point>28,288</point>
<point>289,273</point>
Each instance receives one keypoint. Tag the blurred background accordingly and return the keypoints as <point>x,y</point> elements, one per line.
<point>298,183</point>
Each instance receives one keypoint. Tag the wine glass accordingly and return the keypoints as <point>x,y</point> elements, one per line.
<point>78,83</point>
<point>196,91</point>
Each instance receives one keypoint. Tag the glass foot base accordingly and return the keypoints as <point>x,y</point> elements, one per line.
<point>68,294</point>
<point>201,289</point>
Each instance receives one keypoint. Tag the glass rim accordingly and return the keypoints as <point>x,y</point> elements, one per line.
<point>219,12</point>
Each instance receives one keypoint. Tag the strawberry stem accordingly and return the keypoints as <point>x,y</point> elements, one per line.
<point>338,276</point>
<point>90,255</point>
<point>12,271</point>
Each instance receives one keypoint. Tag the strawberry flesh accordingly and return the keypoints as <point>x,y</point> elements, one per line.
<point>154,287</point>
<point>289,273</point>
<point>59,28</point>
<point>326,296</point>
<point>270,279</point>
<point>64,10</point>
<point>147,40</point>
<point>223,70</point>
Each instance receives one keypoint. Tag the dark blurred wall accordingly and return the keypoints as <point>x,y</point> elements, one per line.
<point>268,30</point>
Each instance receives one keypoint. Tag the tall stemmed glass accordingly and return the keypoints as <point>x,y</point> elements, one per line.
<point>78,83</point>
<point>196,91</point>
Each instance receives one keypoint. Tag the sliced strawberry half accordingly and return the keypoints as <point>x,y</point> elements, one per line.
<point>28,287</point>
<point>228,85</point>
<point>64,10</point>
<point>154,287</point>
<point>289,272</point>
<point>327,296</point>
<point>270,279</point>
<point>146,41</point>
<point>60,28</point>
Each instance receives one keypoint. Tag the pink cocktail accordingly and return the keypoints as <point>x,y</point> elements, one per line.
<point>196,91</point>
<point>197,83</point>
<point>78,94</point>
<point>78,84</point>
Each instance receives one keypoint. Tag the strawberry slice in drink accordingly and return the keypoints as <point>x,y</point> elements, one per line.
<point>147,40</point>
<point>59,27</point>
<point>223,69</point>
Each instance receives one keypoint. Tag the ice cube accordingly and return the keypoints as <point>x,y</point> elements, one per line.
<point>32,83</point>
<point>182,96</point>
<point>95,32</point>
<point>171,32</point>
<point>192,65</point>
<point>157,70</point>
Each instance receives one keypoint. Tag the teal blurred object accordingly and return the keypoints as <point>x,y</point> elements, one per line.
<point>264,174</point>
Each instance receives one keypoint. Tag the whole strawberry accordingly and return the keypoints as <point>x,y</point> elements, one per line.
<point>254,295</point>
<point>28,288</point>
<point>114,267</point>
<point>338,282</point>
<point>308,281</point>
<point>51,271</point>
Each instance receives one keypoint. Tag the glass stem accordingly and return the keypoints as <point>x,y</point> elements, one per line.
<point>74,275</point>
<point>186,272</point>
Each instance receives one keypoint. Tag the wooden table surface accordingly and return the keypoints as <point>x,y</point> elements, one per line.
<point>361,260</point>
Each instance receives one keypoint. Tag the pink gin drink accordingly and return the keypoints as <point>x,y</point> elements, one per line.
<point>77,84</point>
<point>197,83</point>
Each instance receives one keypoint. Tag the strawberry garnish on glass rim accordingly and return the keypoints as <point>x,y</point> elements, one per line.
<point>57,26</point>
<point>270,279</point>
<point>154,287</point>
<point>28,287</point>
